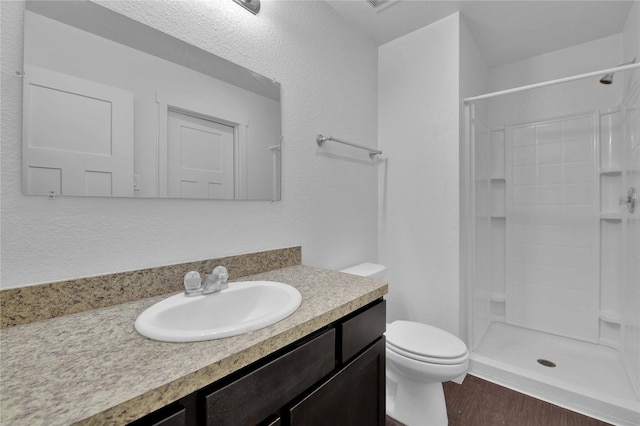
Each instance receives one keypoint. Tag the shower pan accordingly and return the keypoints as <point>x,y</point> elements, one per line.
<point>552,241</point>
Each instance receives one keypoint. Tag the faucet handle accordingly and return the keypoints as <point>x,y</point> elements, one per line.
<point>221,273</point>
<point>192,282</point>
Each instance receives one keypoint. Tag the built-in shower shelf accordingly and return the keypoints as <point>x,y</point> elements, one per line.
<point>611,216</point>
<point>610,317</point>
<point>612,171</point>
<point>498,216</point>
<point>498,297</point>
<point>498,178</point>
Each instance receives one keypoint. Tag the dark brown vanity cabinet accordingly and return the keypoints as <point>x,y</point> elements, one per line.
<point>332,377</point>
<point>353,396</point>
<point>252,398</point>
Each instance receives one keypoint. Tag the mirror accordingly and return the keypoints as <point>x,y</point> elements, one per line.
<point>116,108</point>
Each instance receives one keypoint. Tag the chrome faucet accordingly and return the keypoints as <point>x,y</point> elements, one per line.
<point>213,282</point>
<point>216,281</point>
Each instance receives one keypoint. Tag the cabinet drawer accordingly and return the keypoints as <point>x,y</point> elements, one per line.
<point>252,398</point>
<point>361,330</point>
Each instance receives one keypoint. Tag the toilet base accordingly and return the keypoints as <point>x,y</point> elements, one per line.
<point>417,404</point>
<point>414,374</point>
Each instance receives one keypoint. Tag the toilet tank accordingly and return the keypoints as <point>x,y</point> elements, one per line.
<point>369,270</point>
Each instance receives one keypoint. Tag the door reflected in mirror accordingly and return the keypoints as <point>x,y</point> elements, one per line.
<point>115,108</point>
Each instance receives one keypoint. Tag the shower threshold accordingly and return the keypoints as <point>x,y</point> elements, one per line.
<point>583,377</point>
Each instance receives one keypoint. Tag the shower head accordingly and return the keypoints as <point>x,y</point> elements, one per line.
<point>608,78</point>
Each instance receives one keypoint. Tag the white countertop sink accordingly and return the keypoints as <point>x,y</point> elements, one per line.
<point>243,307</point>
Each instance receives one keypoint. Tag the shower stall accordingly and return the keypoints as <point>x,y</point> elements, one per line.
<point>553,237</point>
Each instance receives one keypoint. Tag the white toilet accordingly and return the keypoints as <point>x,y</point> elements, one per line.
<point>419,358</point>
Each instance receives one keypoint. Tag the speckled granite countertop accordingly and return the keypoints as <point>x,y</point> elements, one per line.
<point>94,368</point>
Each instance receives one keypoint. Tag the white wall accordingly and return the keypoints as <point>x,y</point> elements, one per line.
<point>474,71</point>
<point>418,132</point>
<point>329,204</point>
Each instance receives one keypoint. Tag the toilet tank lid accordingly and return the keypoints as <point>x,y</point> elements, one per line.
<point>365,270</point>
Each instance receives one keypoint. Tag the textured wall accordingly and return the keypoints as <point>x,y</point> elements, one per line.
<point>418,125</point>
<point>328,74</point>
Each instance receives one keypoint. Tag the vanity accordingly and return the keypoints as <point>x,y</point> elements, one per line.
<point>324,364</point>
<point>333,376</point>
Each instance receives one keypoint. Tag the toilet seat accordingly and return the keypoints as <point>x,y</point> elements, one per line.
<point>425,343</point>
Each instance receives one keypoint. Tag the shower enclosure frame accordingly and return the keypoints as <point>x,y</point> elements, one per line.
<point>468,197</point>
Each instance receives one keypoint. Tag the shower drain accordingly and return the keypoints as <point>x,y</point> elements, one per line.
<point>546,363</point>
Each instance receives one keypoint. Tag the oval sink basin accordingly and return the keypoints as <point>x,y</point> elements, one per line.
<point>243,307</point>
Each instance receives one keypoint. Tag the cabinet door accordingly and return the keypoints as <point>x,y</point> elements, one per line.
<point>353,397</point>
<point>261,393</point>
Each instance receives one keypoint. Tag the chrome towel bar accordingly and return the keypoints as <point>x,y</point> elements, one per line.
<point>322,139</point>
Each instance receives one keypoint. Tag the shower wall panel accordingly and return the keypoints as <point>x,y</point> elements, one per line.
<point>482,225</point>
<point>631,236</point>
<point>498,224</point>
<point>552,236</point>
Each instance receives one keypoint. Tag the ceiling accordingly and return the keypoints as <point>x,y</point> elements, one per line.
<point>506,31</point>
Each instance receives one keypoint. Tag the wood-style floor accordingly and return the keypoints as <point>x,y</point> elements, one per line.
<point>478,402</point>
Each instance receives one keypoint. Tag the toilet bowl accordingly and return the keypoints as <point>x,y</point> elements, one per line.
<point>419,357</point>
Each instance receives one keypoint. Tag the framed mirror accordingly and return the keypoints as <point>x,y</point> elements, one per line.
<point>116,108</point>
